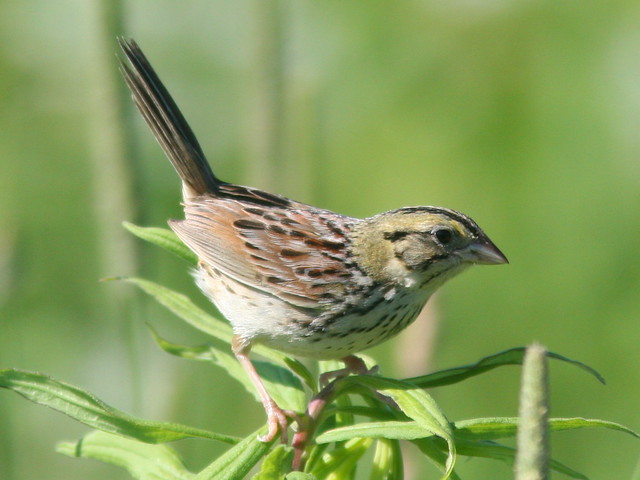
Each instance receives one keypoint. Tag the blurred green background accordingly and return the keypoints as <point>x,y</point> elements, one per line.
<point>523,114</point>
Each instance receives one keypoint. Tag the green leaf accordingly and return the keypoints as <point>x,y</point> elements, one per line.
<point>557,424</point>
<point>184,308</point>
<point>276,464</point>
<point>472,438</point>
<point>164,238</point>
<point>513,356</point>
<point>507,454</point>
<point>190,352</point>
<point>391,430</point>
<point>387,461</point>
<point>283,386</point>
<point>417,405</point>
<point>315,456</point>
<point>491,428</point>
<point>413,401</point>
<point>143,461</point>
<point>86,408</point>
<point>506,427</point>
<point>339,463</point>
<point>303,372</point>
<point>341,417</point>
<point>433,450</point>
<point>374,412</point>
<point>300,476</point>
<point>236,462</point>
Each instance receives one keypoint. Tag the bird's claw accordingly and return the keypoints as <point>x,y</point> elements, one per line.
<point>352,364</point>
<point>278,421</point>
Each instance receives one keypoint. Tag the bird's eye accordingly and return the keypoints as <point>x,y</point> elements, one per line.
<point>443,235</point>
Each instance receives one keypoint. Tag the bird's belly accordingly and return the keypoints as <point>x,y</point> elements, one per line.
<point>258,317</point>
<point>343,335</point>
<point>348,334</point>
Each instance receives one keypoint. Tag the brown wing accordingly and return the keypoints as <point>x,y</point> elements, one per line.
<point>297,253</point>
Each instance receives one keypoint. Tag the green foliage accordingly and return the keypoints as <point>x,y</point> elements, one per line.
<point>141,460</point>
<point>237,461</point>
<point>93,412</point>
<point>513,356</point>
<point>163,238</point>
<point>338,438</point>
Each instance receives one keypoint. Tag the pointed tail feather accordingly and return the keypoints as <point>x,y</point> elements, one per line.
<point>167,123</point>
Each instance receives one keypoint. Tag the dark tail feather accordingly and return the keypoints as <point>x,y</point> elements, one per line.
<point>167,123</point>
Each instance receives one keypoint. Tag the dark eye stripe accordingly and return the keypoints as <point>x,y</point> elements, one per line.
<point>396,235</point>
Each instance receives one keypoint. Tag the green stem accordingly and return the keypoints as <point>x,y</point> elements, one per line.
<point>268,116</point>
<point>532,461</point>
<point>112,153</point>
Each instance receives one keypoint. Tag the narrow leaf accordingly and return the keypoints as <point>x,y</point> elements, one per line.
<point>88,409</point>
<point>387,461</point>
<point>276,464</point>
<point>300,476</point>
<point>168,240</point>
<point>315,457</point>
<point>164,238</point>
<point>184,308</point>
<point>557,424</point>
<point>493,428</point>
<point>417,405</point>
<point>373,412</point>
<point>143,461</point>
<point>390,430</point>
<point>506,454</point>
<point>413,401</point>
<point>303,372</point>
<point>236,462</point>
<point>339,463</point>
<point>433,451</point>
<point>284,387</point>
<point>512,356</point>
<point>189,352</point>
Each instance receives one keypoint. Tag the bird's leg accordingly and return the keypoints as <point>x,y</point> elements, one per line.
<point>302,437</point>
<point>276,417</point>
<point>352,364</point>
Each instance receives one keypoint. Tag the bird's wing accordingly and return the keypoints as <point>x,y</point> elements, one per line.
<point>297,253</point>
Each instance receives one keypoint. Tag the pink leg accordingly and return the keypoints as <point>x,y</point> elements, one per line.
<point>352,364</point>
<point>276,417</point>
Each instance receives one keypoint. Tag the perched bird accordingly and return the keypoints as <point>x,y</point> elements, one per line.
<point>300,279</point>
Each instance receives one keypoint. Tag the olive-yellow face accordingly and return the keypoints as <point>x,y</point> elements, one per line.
<point>421,243</point>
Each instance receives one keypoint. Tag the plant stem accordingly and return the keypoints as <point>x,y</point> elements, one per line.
<point>114,174</point>
<point>268,116</point>
<point>532,461</point>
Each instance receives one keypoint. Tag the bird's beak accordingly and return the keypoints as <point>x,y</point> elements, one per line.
<point>483,252</point>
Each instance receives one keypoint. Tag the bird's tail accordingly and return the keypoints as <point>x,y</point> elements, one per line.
<point>167,123</point>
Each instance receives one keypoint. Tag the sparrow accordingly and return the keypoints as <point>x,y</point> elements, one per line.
<point>300,279</point>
